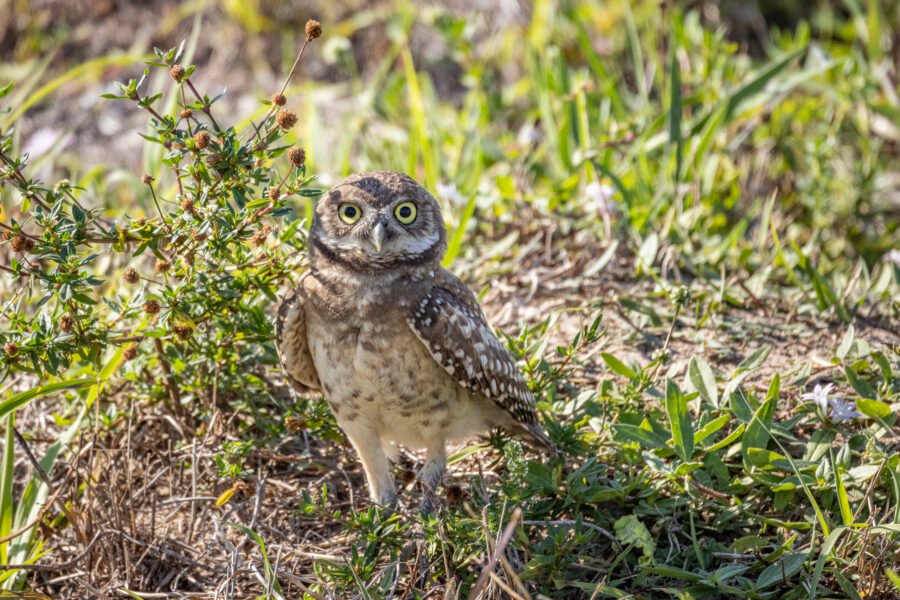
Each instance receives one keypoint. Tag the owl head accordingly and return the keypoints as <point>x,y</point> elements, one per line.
<point>376,221</point>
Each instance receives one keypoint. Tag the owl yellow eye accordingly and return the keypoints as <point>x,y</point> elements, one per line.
<point>349,213</point>
<point>405,212</point>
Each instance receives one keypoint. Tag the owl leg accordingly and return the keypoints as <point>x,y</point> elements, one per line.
<point>432,474</point>
<point>377,467</point>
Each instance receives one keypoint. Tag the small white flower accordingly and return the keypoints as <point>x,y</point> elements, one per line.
<point>893,256</point>
<point>450,193</point>
<point>842,410</point>
<point>528,135</point>
<point>819,395</point>
<point>601,195</point>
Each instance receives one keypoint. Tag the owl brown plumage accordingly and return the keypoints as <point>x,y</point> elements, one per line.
<point>398,346</point>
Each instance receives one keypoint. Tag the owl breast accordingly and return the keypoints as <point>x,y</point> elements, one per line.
<point>379,378</point>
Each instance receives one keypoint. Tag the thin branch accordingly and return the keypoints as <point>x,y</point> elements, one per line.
<point>204,106</point>
<point>283,88</point>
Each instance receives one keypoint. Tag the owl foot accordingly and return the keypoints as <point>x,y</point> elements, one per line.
<point>429,503</point>
<point>387,500</point>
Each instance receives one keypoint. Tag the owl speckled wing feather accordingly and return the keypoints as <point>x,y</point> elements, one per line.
<point>292,344</point>
<point>450,323</point>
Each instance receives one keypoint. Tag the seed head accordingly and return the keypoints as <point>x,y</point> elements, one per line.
<point>187,205</point>
<point>152,307</point>
<point>177,72</point>
<point>297,156</point>
<point>279,100</point>
<point>131,275</point>
<point>259,238</point>
<point>199,237</point>
<point>201,139</point>
<point>11,349</point>
<point>662,356</point>
<point>274,193</point>
<point>162,265</point>
<point>21,243</point>
<point>146,179</point>
<point>286,118</point>
<point>130,352</point>
<point>313,29</point>
<point>294,423</point>
<point>186,113</point>
<point>66,322</point>
<point>183,330</point>
<point>680,296</point>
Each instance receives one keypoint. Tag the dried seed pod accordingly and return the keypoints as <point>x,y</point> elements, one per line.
<point>11,349</point>
<point>177,72</point>
<point>187,205</point>
<point>201,138</point>
<point>186,113</point>
<point>279,100</point>
<point>259,238</point>
<point>294,423</point>
<point>274,193</point>
<point>21,243</point>
<point>130,352</point>
<point>152,307</point>
<point>131,275</point>
<point>183,330</point>
<point>286,118</point>
<point>297,156</point>
<point>313,29</point>
<point>146,179</point>
<point>162,265</point>
<point>66,323</point>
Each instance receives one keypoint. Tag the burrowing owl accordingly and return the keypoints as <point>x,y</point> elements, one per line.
<point>398,346</point>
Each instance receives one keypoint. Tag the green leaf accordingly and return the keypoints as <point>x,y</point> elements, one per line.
<point>781,571</point>
<point>680,421</point>
<point>703,380</point>
<point>843,500</point>
<point>710,428</point>
<point>639,434</point>
<point>629,530</point>
<point>19,400</point>
<point>617,366</point>
<point>846,343</point>
<point>757,434</point>
<point>756,358</point>
<point>728,439</point>
<point>873,408</point>
<point>7,478</point>
<point>893,578</point>
<point>861,386</point>
<point>675,110</point>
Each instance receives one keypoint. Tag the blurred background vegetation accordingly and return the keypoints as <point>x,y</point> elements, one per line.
<point>719,180</point>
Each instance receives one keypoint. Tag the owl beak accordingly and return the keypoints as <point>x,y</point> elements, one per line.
<point>378,234</point>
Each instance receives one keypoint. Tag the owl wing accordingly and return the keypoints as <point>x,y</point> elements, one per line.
<point>450,323</point>
<point>292,344</point>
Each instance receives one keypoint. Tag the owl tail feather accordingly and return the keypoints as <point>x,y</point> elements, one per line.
<point>534,436</point>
